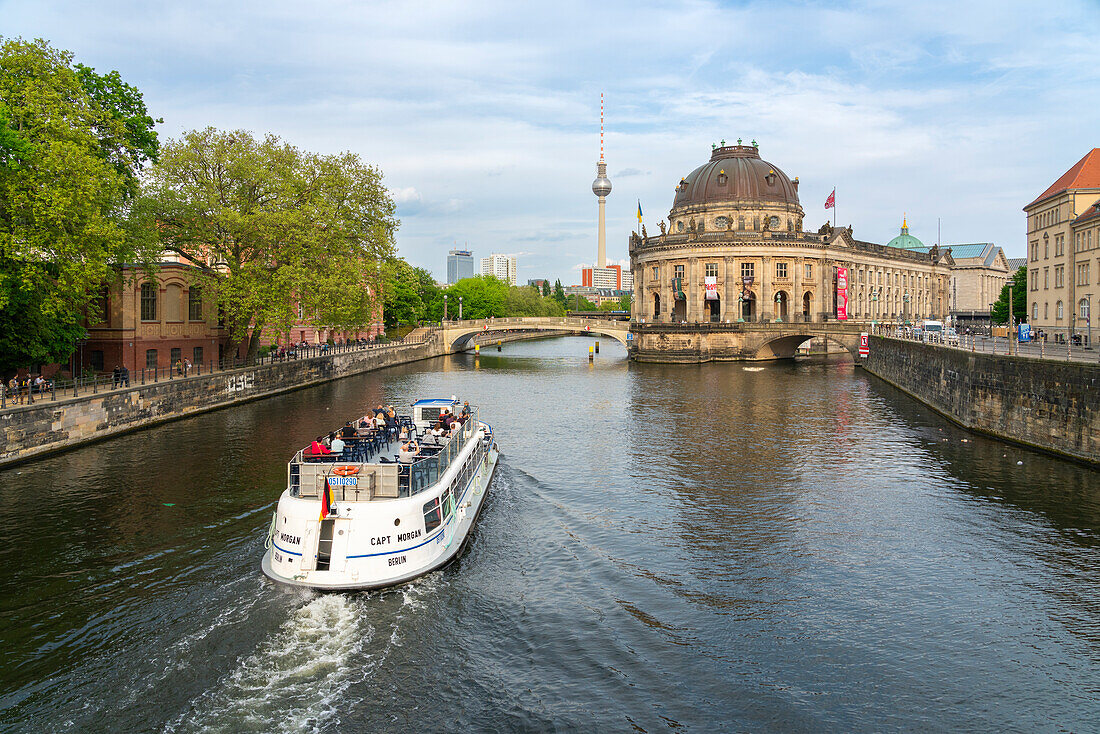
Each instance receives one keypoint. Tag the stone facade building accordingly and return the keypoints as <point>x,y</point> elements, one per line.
<point>151,322</point>
<point>1063,252</point>
<point>735,233</point>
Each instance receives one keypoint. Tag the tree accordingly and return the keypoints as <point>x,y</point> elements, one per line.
<point>270,226</point>
<point>482,296</point>
<point>625,302</point>
<point>64,178</point>
<point>559,293</point>
<point>1018,281</point>
<point>546,288</point>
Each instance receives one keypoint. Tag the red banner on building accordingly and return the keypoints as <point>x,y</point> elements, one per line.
<point>842,294</point>
<point>710,282</point>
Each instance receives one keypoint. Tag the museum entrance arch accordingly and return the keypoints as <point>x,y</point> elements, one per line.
<point>748,306</point>
<point>714,310</point>
<point>782,301</point>
<point>806,300</point>
<point>679,310</point>
<point>656,305</point>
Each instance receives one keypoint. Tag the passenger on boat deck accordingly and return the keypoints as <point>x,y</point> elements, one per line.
<point>365,424</point>
<point>347,431</point>
<point>337,446</point>
<point>465,409</point>
<point>327,440</point>
<point>379,420</point>
<point>317,448</point>
<point>408,452</point>
<point>436,434</point>
<point>379,410</point>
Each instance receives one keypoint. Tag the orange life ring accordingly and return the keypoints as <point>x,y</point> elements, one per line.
<point>345,471</point>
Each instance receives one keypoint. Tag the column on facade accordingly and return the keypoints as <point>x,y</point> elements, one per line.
<point>730,303</point>
<point>691,290</point>
<point>825,300</point>
<point>767,273</point>
<point>665,285</point>
<point>794,303</point>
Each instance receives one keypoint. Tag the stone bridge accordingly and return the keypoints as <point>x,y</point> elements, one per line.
<point>736,341</point>
<point>456,335</point>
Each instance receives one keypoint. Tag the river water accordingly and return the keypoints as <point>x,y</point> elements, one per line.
<point>783,547</point>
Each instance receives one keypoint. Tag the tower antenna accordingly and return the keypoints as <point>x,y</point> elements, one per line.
<point>601,126</point>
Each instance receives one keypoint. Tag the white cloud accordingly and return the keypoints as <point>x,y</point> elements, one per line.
<point>484,116</point>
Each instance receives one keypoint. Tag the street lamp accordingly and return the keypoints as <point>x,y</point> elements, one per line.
<point>778,301</point>
<point>741,306</point>
<point>460,308</point>
<point>874,307</point>
<point>905,300</point>
<point>444,306</point>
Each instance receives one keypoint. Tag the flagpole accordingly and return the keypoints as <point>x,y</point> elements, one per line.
<point>834,207</point>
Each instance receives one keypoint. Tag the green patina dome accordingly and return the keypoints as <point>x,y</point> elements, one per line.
<point>905,241</point>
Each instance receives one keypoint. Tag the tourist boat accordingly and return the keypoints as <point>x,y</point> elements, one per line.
<point>364,521</point>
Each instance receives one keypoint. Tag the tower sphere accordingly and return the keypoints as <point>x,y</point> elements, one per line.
<point>602,185</point>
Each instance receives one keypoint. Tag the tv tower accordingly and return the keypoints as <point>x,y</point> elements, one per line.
<point>601,187</point>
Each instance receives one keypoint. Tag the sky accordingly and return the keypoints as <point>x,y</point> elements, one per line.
<point>484,116</point>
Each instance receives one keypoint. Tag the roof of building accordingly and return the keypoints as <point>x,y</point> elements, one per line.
<point>1015,263</point>
<point>736,173</point>
<point>1084,174</point>
<point>906,241</point>
<point>1093,212</point>
<point>986,252</point>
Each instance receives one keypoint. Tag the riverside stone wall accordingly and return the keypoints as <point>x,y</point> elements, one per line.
<point>1047,404</point>
<point>33,430</point>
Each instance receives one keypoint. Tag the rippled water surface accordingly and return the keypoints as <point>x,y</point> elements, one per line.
<point>699,548</point>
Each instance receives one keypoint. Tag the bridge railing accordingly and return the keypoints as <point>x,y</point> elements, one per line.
<point>535,321</point>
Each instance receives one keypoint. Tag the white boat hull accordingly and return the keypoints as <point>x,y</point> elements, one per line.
<point>376,544</point>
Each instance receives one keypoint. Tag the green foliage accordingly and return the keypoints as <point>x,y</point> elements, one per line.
<point>126,136</point>
<point>63,216</point>
<point>546,288</point>
<point>271,226</point>
<point>559,293</point>
<point>625,301</point>
<point>1018,281</point>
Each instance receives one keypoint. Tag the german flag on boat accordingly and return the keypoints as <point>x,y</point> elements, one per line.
<point>326,500</point>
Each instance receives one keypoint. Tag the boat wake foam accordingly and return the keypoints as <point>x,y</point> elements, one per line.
<point>296,679</point>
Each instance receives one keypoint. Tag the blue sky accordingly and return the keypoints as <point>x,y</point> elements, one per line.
<point>485,116</point>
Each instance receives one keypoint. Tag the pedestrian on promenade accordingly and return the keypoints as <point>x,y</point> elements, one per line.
<point>13,390</point>
<point>124,376</point>
<point>116,377</point>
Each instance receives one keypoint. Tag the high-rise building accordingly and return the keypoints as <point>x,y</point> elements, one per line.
<point>609,277</point>
<point>500,266</point>
<point>601,187</point>
<point>460,264</point>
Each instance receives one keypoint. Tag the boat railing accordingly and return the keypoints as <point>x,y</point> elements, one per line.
<point>379,479</point>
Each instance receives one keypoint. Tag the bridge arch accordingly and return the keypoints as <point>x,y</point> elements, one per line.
<point>457,335</point>
<point>786,346</point>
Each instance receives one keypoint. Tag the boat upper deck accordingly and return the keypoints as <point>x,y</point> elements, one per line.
<point>399,459</point>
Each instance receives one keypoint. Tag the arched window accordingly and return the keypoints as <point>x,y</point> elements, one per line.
<point>1058,315</point>
<point>148,302</point>
<point>1083,308</point>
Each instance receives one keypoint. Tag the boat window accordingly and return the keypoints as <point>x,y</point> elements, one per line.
<point>429,414</point>
<point>431,515</point>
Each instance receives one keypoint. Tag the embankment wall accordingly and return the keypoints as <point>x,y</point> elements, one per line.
<point>1045,404</point>
<point>45,427</point>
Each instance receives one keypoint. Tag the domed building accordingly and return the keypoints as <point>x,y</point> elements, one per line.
<point>734,250</point>
<point>905,241</point>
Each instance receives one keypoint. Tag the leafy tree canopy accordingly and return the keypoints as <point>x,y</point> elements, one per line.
<point>63,192</point>
<point>1018,281</point>
<point>270,226</point>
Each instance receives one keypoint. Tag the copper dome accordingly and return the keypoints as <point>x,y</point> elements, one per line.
<point>736,173</point>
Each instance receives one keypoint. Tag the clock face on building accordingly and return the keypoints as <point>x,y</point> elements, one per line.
<point>774,222</point>
<point>721,222</point>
